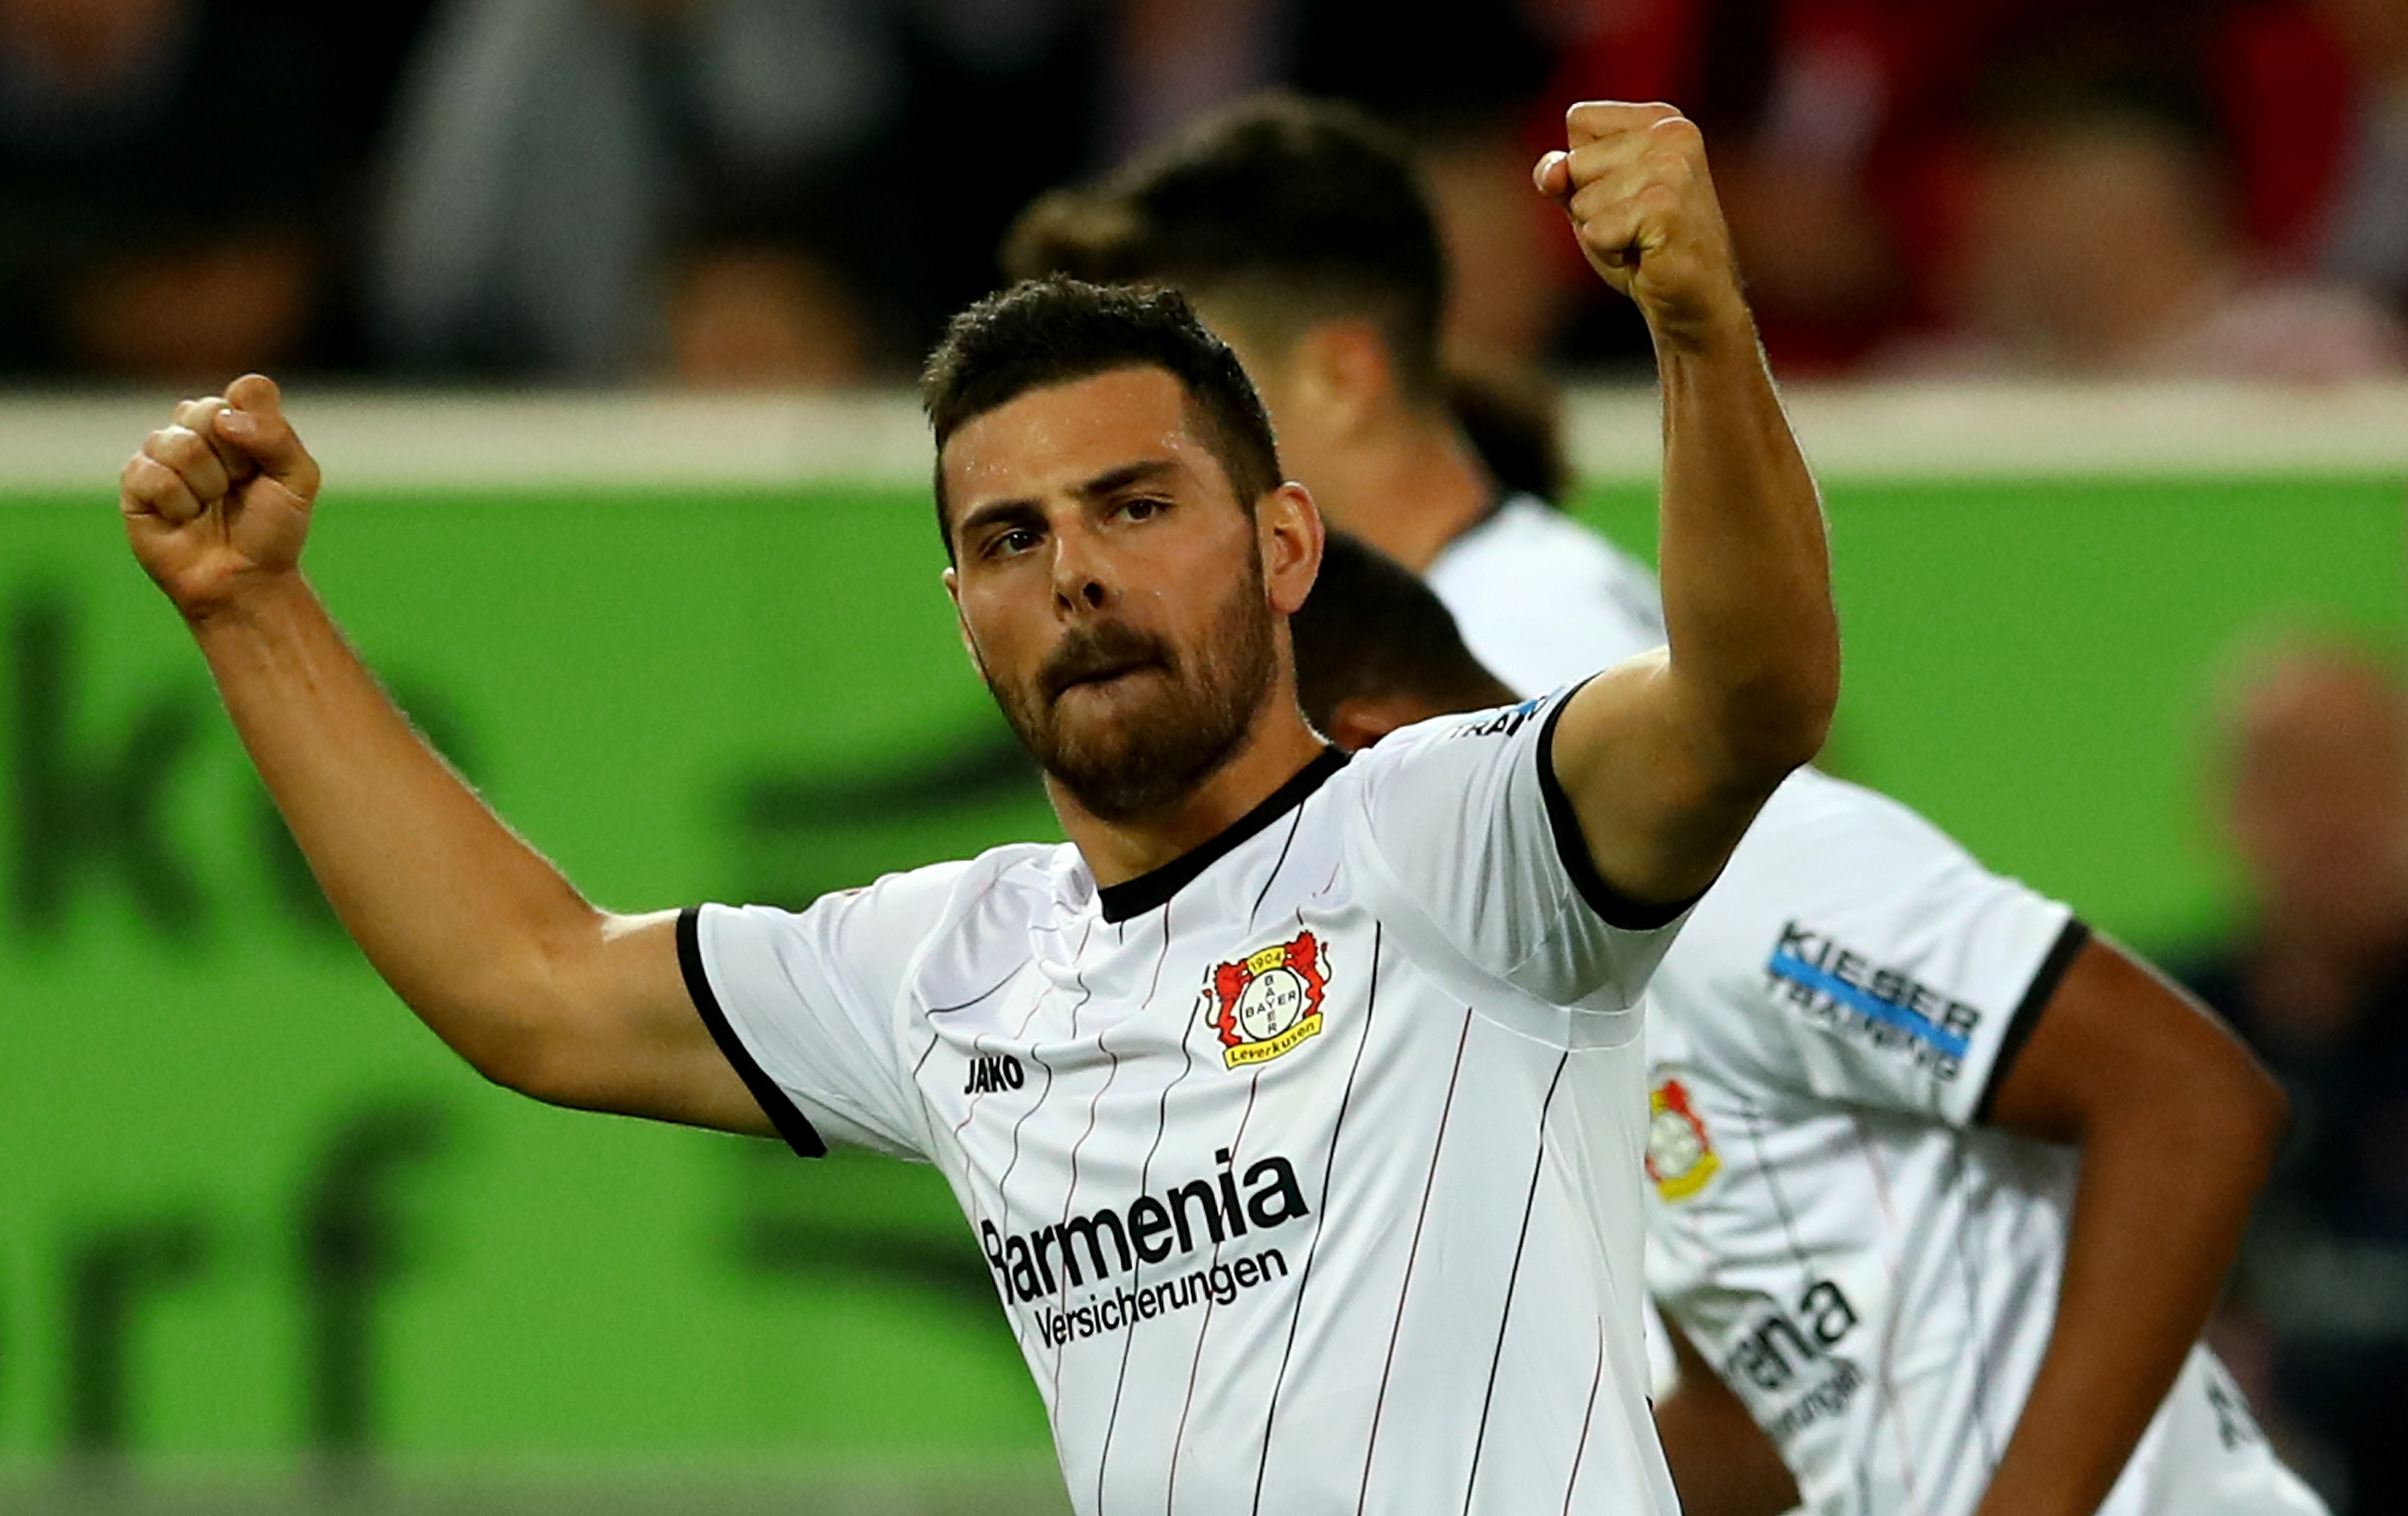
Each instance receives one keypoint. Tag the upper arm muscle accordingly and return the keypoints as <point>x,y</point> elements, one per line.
<point>1655,810</point>
<point>629,1038</point>
<point>2114,1033</point>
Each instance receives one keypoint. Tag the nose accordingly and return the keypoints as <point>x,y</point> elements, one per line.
<point>1081,582</point>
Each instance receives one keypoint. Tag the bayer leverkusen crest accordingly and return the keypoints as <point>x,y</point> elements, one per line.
<point>1680,1158</point>
<point>1268,1002</point>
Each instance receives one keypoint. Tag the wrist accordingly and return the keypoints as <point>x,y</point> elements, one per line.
<point>1712,331</point>
<point>258,601</point>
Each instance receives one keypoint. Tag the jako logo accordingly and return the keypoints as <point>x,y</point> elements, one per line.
<point>993,1071</point>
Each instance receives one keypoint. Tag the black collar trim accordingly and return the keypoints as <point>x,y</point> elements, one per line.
<point>1135,897</point>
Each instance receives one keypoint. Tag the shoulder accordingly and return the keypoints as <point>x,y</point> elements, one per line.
<point>1812,809</point>
<point>1824,859</point>
<point>1466,734</point>
<point>983,905</point>
<point>1014,879</point>
<point>1525,536</point>
<point>1542,598</point>
<point>1829,851</point>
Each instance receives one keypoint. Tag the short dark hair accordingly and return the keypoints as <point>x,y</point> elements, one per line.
<point>1288,201</point>
<point>1058,331</point>
<point>1371,628</point>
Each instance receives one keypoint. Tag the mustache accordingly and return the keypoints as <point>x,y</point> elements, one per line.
<point>1099,648</point>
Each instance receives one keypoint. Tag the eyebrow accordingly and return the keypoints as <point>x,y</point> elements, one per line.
<point>1114,480</point>
<point>1025,512</point>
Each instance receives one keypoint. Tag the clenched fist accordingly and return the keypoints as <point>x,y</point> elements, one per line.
<point>217,503</point>
<point>1634,182</point>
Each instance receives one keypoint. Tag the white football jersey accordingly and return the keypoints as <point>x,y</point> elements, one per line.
<point>1307,1168</point>
<point>1871,1270</point>
<point>1541,600</point>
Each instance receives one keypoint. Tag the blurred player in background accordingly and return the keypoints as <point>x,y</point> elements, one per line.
<point>1304,240</point>
<point>1869,1154</point>
<point>1952,1252</point>
<point>1255,1091</point>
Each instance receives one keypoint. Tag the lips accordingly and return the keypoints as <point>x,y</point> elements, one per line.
<point>1098,655</point>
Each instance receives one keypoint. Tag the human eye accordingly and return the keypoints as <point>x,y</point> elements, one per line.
<point>1139,507</point>
<point>1009,542</point>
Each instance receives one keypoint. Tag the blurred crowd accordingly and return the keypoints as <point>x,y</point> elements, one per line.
<point>797,191</point>
<point>2311,776</point>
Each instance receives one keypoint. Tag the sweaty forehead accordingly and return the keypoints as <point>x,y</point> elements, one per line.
<point>1055,438</point>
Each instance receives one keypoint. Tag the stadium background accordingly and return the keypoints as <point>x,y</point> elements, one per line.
<point>262,1238</point>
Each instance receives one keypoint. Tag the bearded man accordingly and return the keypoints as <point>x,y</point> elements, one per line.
<point>1253,1091</point>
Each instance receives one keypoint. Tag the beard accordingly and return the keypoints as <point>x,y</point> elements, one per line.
<point>1149,739</point>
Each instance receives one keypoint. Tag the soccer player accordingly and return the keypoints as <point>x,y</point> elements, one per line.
<point>1943,1185</point>
<point>1296,1103</point>
<point>1865,1158</point>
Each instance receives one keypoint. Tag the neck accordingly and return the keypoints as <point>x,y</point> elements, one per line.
<point>1412,491</point>
<point>1278,746</point>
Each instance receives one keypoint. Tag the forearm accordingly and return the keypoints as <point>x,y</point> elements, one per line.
<point>2157,1217</point>
<point>1746,570</point>
<point>461,917</point>
<point>1722,1463</point>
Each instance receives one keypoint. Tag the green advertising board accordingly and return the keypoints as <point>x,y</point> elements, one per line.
<point>254,1219</point>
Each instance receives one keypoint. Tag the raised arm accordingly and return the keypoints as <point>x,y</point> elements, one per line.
<point>2177,1124</point>
<point>1665,758</point>
<point>482,937</point>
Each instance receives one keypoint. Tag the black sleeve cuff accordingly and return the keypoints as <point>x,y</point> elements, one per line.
<point>2042,989</point>
<point>1612,906</point>
<point>791,1123</point>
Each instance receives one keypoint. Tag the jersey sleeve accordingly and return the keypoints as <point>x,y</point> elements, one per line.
<point>1463,822</point>
<point>806,1005</point>
<point>1854,952</point>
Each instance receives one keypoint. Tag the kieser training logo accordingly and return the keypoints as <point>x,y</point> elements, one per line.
<point>1680,1160</point>
<point>1268,1002</point>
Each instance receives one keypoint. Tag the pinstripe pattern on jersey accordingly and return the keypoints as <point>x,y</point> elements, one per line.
<point>1304,1280</point>
<point>1512,1278</point>
<point>1145,1184</point>
<point>1295,1323</point>
<point>1891,1405</point>
<point>1588,1417</point>
<point>1968,1278</point>
<point>1412,1256</point>
<point>1196,1363</point>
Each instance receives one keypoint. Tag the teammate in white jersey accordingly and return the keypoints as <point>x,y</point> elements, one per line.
<point>1857,1214</point>
<point>1297,1104</point>
<point>1854,1219</point>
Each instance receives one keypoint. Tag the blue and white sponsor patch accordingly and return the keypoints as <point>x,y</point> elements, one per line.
<point>1847,993</point>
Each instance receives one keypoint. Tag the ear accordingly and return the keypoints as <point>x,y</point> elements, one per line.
<point>962,621</point>
<point>1360,720</point>
<point>1288,531</point>
<point>1341,371</point>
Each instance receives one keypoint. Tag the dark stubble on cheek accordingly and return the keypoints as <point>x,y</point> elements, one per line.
<point>1156,753</point>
